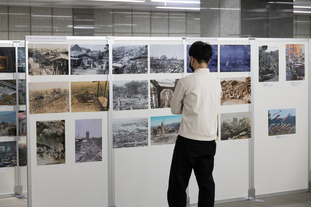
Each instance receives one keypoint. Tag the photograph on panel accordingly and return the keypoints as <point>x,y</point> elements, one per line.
<point>235,125</point>
<point>48,59</point>
<point>22,153</point>
<point>282,121</point>
<point>89,59</point>
<point>22,92</point>
<point>131,132</point>
<point>235,90</point>
<point>164,129</point>
<point>130,95</point>
<point>48,97</point>
<point>129,59</point>
<point>50,142</point>
<point>7,60</point>
<point>7,92</point>
<point>212,66</point>
<point>268,63</point>
<point>295,62</point>
<point>235,58</point>
<point>21,60</point>
<point>161,92</point>
<point>22,123</point>
<point>89,96</point>
<point>7,123</point>
<point>8,155</point>
<point>88,134</point>
<point>166,58</point>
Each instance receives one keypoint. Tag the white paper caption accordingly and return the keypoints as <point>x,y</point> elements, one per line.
<point>268,85</point>
<point>3,75</point>
<point>3,170</point>
<point>281,136</point>
<point>296,83</point>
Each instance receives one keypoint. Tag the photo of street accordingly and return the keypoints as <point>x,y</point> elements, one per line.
<point>268,64</point>
<point>295,62</point>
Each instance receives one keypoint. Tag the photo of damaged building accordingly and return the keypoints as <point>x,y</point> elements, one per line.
<point>161,92</point>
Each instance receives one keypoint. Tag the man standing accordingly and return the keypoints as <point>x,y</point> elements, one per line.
<point>197,98</point>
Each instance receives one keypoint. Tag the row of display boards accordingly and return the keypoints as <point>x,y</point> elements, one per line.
<point>100,131</point>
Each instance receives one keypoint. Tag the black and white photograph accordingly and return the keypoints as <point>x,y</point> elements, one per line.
<point>7,92</point>
<point>161,92</point>
<point>7,123</point>
<point>21,60</point>
<point>268,63</point>
<point>48,59</point>
<point>8,155</point>
<point>21,92</point>
<point>89,59</point>
<point>130,95</point>
<point>236,90</point>
<point>22,123</point>
<point>235,58</point>
<point>7,60</point>
<point>295,62</point>
<point>132,132</point>
<point>129,59</point>
<point>22,153</point>
<point>235,126</point>
<point>167,58</point>
<point>50,142</point>
<point>88,135</point>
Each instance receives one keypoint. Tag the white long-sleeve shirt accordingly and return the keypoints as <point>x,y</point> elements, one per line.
<point>200,93</point>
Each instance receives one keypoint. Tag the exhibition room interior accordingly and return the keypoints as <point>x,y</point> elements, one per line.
<point>86,89</point>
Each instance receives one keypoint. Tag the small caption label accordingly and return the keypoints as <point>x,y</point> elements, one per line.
<point>296,83</point>
<point>3,75</point>
<point>3,170</point>
<point>268,85</point>
<point>281,136</point>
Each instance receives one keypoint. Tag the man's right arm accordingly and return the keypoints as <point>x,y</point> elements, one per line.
<point>177,100</point>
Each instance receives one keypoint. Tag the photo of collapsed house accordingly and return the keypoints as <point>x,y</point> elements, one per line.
<point>8,155</point>
<point>236,90</point>
<point>295,62</point>
<point>7,123</point>
<point>130,95</point>
<point>131,132</point>
<point>48,97</point>
<point>88,135</point>
<point>89,96</point>
<point>48,59</point>
<point>22,92</point>
<point>7,60</point>
<point>161,92</point>
<point>212,66</point>
<point>22,123</point>
<point>50,142</point>
<point>164,129</point>
<point>129,59</point>
<point>235,58</point>
<point>282,121</point>
<point>235,126</point>
<point>268,64</point>
<point>89,59</point>
<point>21,60</point>
<point>166,58</point>
<point>22,153</point>
<point>7,92</point>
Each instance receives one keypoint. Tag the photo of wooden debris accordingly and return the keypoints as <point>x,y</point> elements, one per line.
<point>235,58</point>
<point>8,155</point>
<point>235,126</point>
<point>268,63</point>
<point>236,90</point>
<point>282,121</point>
<point>295,62</point>
<point>7,92</point>
<point>161,92</point>
<point>7,123</point>
<point>7,60</point>
<point>22,153</point>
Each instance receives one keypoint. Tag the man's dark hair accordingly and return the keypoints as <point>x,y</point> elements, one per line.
<point>201,51</point>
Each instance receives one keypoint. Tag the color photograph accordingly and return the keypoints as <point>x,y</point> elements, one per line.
<point>21,60</point>
<point>295,62</point>
<point>22,92</point>
<point>161,92</point>
<point>8,155</point>
<point>235,91</point>
<point>7,92</point>
<point>7,123</point>
<point>235,126</point>
<point>22,153</point>
<point>7,60</point>
<point>235,58</point>
<point>22,123</point>
<point>268,64</point>
<point>282,121</point>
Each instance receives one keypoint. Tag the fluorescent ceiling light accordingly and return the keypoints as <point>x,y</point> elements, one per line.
<point>181,2</point>
<point>303,12</point>
<point>302,7</point>
<point>183,8</point>
<point>125,1</point>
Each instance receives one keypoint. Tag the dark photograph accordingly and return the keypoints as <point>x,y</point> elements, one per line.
<point>235,58</point>
<point>7,123</point>
<point>295,62</point>
<point>7,92</point>
<point>22,123</point>
<point>235,125</point>
<point>7,60</point>
<point>282,121</point>
<point>22,153</point>
<point>161,92</point>
<point>22,92</point>
<point>8,155</point>
<point>268,64</point>
<point>236,91</point>
<point>21,60</point>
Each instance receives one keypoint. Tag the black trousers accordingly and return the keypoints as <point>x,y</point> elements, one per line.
<point>199,156</point>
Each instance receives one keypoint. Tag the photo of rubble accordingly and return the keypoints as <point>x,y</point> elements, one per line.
<point>131,132</point>
<point>235,90</point>
<point>8,155</point>
<point>268,64</point>
<point>166,58</point>
<point>7,123</point>
<point>7,60</point>
<point>164,129</point>
<point>48,97</point>
<point>89,59</point>
<point>22,92</point>
<point>22,123</point>
<point>22,153</point>
<point>89,96</point>
<point>235,58</point>
<point>7,92</point>
<point>212,66</point>
<point>235,126</point>
<point>51,142</point>
<point>282,121</point>
<point>130,95</point>
<point>129,59</point>
<point>48,59</point>
<point>88,134</point>
<point>21,60</point>
<point>161,92</point>
<point>295,62</point>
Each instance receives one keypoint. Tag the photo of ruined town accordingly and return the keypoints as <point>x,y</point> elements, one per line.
<point>130,95</point>
<point>166,58</point>
<point>8,155</point>
<point>236,90</point>
<point>50,142</point>
<point>7,92</point>
<point>22,123</point>
<point>7,60</point>
<point>88,136</point>
<point>129,59</point>
<point>282,121</point>
<point>161,92</point>
<point>235,58</point>
<point>48,59</point>
<point>22,92</point>
<point>22,153</point>
<point>7,123</point>
<point>235,126</point>
<point>164,129</point>
<point>89,96</point>
<point>21,60</point>
<point>132,132</point>
<point>48,97</point>
<point>268,64</point>
<point>89,59</point>
<point>295,62</point>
